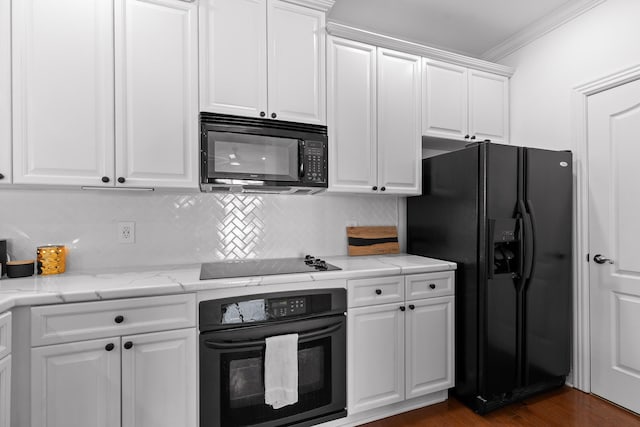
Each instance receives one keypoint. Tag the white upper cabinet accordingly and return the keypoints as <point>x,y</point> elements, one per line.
<point>63,116</point>
<point>488,106</point>
<point>464,104</point>
<point>374,119</point>
<point>76,121</point>
<point>5,92</point>
<point>263,58</point>
<point>352,116</point>
<point>156,63</point>
<point>399,136</point>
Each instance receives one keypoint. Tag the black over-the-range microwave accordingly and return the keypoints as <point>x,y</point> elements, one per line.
<point>244,154</point>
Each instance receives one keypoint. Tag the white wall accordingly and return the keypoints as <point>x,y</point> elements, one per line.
<point>174,228</point>
<point>602,41</point>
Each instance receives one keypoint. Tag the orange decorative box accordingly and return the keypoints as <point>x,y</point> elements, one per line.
<point>51,259</point>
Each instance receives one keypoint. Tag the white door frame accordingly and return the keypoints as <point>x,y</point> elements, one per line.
<point>581,332</point>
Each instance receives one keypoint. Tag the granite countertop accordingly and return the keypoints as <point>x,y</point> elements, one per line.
<point>149,281</point>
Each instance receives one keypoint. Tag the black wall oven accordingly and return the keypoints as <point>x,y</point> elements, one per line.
<point>232,353</point>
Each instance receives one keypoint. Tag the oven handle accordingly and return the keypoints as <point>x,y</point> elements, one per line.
<point>302,337</point>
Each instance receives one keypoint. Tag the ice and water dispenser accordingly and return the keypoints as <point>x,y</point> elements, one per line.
<point>505,247</point>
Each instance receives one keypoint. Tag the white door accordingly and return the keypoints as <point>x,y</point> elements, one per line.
<point>351,117</point>
<point>429,346</point>
<point>63,120</point>
<point>444,100</point>
<point>375,365</point>
<point>399,124</point>
<point>296,37</point>
<point>5,392</point>
<point>488,107</point>
<point>156,59</point>
<point>159,379</point>
<point>233,57</point>
<point>614,209</point>
<point>76,384</point>
<point>5,92</point>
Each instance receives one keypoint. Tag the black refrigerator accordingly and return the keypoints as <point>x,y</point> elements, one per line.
<point>504,215</point>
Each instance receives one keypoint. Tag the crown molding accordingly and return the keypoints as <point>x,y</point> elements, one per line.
<point>323,5</point>
<point>550,22</point>
<point>341,30</point>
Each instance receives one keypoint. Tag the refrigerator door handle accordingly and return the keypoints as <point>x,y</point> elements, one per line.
<point>528,241</point>
<point>532,239</point>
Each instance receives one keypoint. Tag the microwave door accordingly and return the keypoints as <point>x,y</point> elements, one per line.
<point>253,157</point>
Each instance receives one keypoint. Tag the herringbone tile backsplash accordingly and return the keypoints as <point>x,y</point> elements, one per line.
<point>185,228</point>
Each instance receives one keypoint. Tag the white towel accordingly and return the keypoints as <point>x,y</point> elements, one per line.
<point>281,370</point>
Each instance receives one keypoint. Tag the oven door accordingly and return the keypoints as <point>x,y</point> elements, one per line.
<point>232,374</point>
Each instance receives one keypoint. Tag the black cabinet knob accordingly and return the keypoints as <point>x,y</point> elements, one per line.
<point>274,115</point>
<point>383,188</point>
<point>466,137</point>
<point>128,345</point>
<point>1,176</point>
<point>119,319</point>
<point>432,285</point>
<point>374,188</point>
<point>105,179</point>
<point>412,307</point>
<point>403,308</point>
<point>121,180</point>
<point>262,114</point>
<point>378,291</point>
<point>109,347</point>
<point>473,137</point>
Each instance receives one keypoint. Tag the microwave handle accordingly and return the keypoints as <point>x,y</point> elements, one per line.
<point>301,170</point>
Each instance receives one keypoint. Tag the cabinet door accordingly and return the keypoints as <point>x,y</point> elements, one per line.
<point>399,129</point>
<point>352,116</point>
<point>233,57</point>
<point>5,392</point>
<point>444,100</point>
<point>159,379</point>
<point>63,103</point>
<point>375,357</point>
<point>76,384</point>
<point>488,106</point>
<point>296,37</point>
<point>5,93</point>
<point>429,340</point>
<point>156,93</point>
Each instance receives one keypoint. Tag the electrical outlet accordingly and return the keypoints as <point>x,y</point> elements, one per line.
<point>127,232</point>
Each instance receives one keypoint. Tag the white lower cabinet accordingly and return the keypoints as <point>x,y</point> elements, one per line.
<point>402,349</point>
<point>142,380</point>
<point>5,392</point>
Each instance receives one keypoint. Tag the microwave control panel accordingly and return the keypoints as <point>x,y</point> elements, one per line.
<point>315,162</point>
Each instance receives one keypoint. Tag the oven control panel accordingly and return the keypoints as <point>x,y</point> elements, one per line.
<point>285,307</point>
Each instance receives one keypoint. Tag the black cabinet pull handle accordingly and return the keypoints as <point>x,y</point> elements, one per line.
<point>473,137</point>
<point>378,291</point>
<point>109,347</point>
<point>412,307</point>
<point>121,180</point>
<point>383,188</point>
<point>119,319</point>
<point>262,114</point>
<point>1,176</point>
<point>128,345</point>
<point>432,285</point>
<point>374,188</point>
<point>274,115</point>
<point>466,137</point>
<point>105,179</point>
<point>403,308</point>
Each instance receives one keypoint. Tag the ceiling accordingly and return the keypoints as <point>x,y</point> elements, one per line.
<point>469,27</point>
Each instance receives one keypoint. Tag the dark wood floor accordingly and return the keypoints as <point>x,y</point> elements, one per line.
<point>565,407</point>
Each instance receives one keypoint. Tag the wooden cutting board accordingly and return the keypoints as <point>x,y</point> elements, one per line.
<point>373,240</point>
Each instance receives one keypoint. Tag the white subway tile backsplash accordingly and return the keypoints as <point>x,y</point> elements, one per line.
<point>183,228</point>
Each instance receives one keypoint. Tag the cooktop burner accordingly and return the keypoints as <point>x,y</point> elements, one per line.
<point>263,267</point>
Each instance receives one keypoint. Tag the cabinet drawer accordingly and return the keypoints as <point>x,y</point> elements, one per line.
<point>5,334</point>
<point>380,290</point>
<point>91,320</point>
<point>429,285</point>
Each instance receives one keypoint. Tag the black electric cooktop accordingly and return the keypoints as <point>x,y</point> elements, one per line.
<point>263,267</point>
